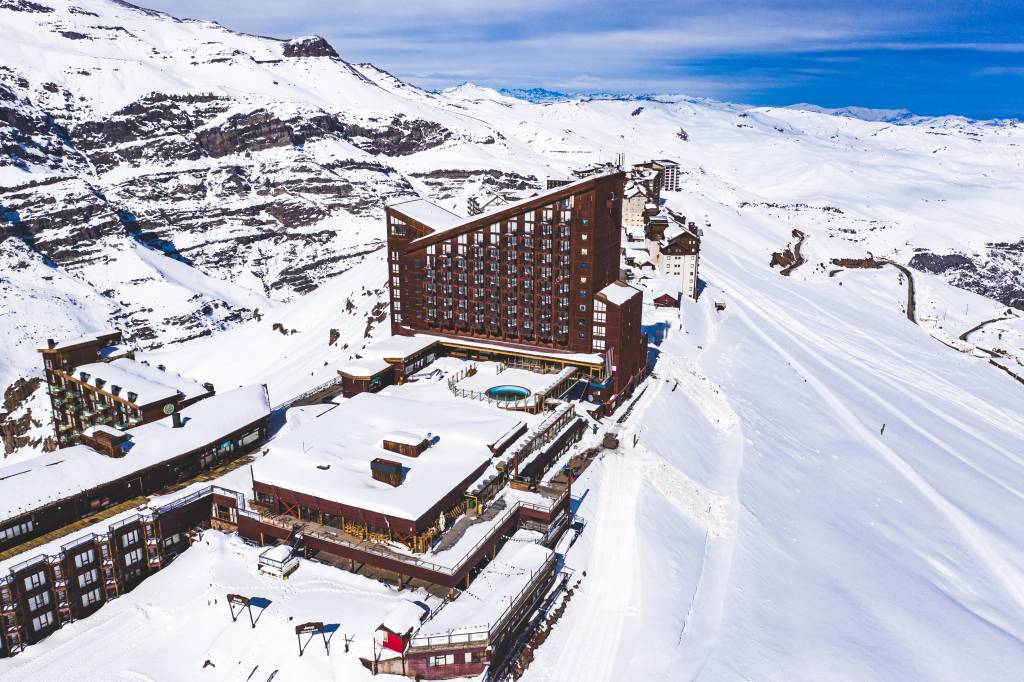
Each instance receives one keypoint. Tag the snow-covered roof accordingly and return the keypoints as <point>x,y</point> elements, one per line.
<point>103,428</point>
<point>364,367</point>
<point>426,212</point>
<point>406,437</point>
<point>149,383</point>
<point>400,347</point>
<point>618,293</point>
<point>492,592</point>
<point>404,616</point>
<point>540,196</point>
<point>347,438</point>
<point>88,338</point>
<point>25,486</point>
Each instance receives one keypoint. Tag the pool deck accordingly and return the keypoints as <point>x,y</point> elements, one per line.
<point>487,376</point>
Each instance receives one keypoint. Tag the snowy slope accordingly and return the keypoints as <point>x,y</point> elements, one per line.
<point>221,201</point>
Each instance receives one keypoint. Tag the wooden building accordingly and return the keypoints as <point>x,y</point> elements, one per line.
<point>53,490</point>
<point>95,381</point>
<point>523,277</point>
<point>65,583</point>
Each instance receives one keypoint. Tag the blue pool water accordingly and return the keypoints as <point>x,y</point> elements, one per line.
<point>507,392</point>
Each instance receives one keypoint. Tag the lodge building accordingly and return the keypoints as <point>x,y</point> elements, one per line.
<point>95,381</point>
<point>526,277</point>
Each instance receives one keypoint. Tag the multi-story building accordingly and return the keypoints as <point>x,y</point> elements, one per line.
<point>668,173</point>
<point>526,276</point>
<point>94,381</point>
<point>674,247</point>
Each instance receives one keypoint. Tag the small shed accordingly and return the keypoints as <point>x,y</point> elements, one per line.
<point>398,625</point>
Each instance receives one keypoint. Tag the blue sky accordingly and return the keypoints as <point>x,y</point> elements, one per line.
<point>930,57</point>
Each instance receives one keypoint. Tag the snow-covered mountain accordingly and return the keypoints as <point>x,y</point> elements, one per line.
<point>219,197</point>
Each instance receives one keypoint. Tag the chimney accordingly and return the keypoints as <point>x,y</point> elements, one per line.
<point>115,389</point>
<point>176,420</point>
<point>84,376</point>
<point>50,343</point>
<point>132,396</point>
<point>99,382</point>
<point>161,368</point>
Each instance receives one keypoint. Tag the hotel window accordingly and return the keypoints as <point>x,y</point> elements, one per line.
<point>566,203</point>
<point>598,344</point>
<point>598,330</point>
<point>85,558</point>
<point>88,578</point>
<point>38,601</point>
<point>35,580</point>
<point>463,238</point>
<point>599,304</point>
<point>398,229</point>
<point>446,247</point>
<point>395,268</point>
<point>431,250</point>
<point>130,538</point>
<point>396,306</point>
<point>495,229</point>
<point>133,557</point>
<point>16,530</point>
<point>43,621</point>
<point>549,214</point>
<point>91,597</point>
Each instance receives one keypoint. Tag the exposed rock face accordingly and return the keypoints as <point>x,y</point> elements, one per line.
<point>16,419</point>
<point>399,137</point>
<point>312,46</point>
<point>998,273</point>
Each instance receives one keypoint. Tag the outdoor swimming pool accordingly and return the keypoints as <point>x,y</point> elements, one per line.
<point>507,393</point>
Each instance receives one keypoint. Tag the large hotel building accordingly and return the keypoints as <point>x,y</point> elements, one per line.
<point>540,274</point>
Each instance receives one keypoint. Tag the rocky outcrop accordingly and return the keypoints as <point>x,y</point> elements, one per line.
<point>398,137</point>
<point>311,46</point>
<point>15,428</point>
<point>997,273</point>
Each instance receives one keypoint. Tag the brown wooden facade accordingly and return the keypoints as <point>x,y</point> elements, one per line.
<point>183,467</point>
<point>40,595</point>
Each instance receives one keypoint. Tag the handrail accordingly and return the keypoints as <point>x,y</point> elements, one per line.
<point>311,392</point>
<point>364,546</point>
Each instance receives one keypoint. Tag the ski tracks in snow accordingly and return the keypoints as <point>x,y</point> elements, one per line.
<point>611,581</point>
<point>973,535</point>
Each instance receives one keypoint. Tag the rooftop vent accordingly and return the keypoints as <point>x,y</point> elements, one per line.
<point>176,420</point>
<point>84,376</point>
<point>115,389</point>
<point>386,471</point>
<point>50,343</point>
<point>208,386</point>
<point>99,382</point>
<point>132,396</point>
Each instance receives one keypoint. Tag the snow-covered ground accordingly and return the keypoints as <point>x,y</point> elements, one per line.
<point>764,526</point>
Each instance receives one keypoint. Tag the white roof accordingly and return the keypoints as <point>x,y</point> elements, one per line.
<point>399,346</point>
<point>404,616</point>
<point>347,438</point>
<point>618,293</point>
<point>427,212</point>
<point>150,383</point>
<point>515,204</point>
<point>68,471</point>
<point>498,585</point>
<point>88,338</point>
<point>406,437</point>
<point>364,367</point>
<point>103,428</point>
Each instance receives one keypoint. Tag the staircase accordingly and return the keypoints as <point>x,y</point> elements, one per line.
<point>110,586</point>
<point>151,534</point>
<point>60,590</point>
<point>9,620</point>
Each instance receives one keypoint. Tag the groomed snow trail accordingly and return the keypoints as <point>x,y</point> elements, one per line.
<point>973,535</point>
<point>607,593</point>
